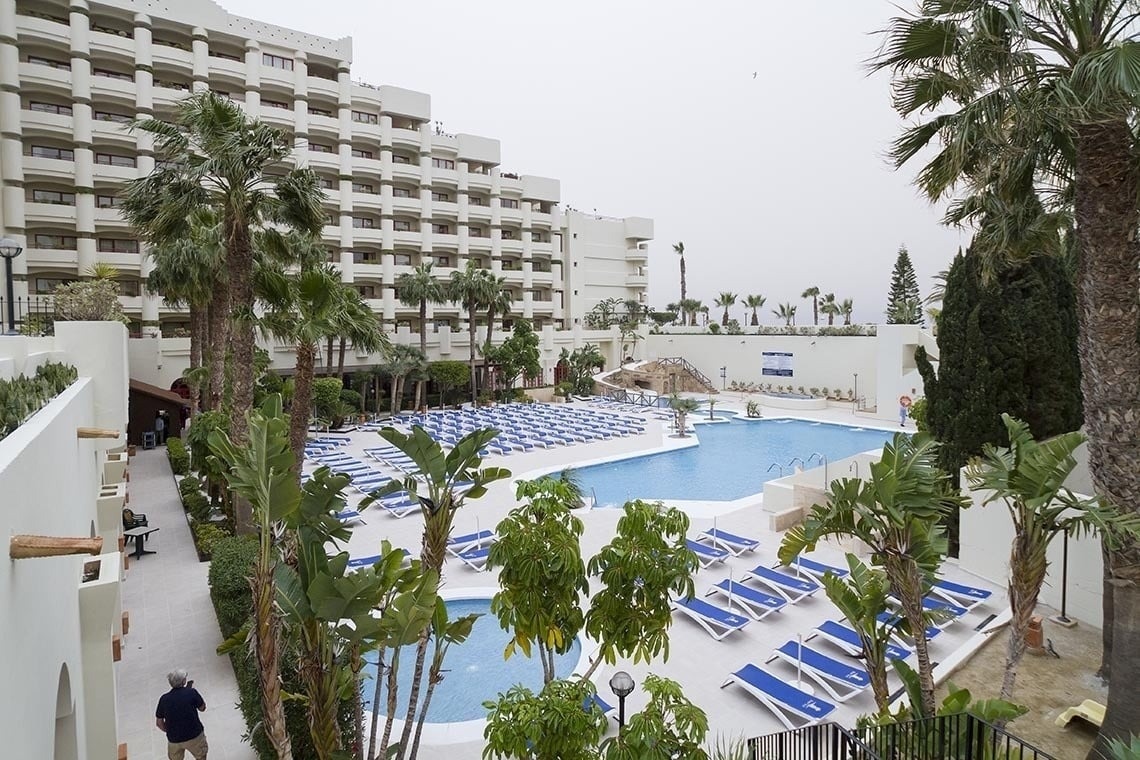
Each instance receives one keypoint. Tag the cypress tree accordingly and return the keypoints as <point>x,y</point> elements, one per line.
<point>904,306</point>
<point>1006,344</point>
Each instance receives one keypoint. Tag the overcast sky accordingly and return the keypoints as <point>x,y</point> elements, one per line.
<point>650,108</point>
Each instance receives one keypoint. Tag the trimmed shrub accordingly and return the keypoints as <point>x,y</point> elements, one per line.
<point>179,457</point>
<point>197,505</point>
<point>207,535</point>
<point>189,484</point>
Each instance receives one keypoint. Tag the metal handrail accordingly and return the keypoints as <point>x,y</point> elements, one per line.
<point>680,361</point>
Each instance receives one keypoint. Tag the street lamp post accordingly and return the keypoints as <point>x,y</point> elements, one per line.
<point>10,249</point>
<point>621,683</point>
<point>855,400</point>
<point>723,376</point>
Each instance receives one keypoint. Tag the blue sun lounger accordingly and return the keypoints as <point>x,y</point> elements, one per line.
<point>788,586</point>
<point>817,569</point>
<point>359,562</point>
<point>848,640</point>
<point>954,610</point>
<point>349,516</point>
<point>840,680</point>
<point>756,603</point>
<point>717,621</point>
<point>957,593</point>
<point>476,559</point>
<point>706,555</point>
<point>458,544</point>
<point>792,707</point>
<point>730,542</point>
<point>895,619</point>
<point>399,509</point>
<point>607,709</point>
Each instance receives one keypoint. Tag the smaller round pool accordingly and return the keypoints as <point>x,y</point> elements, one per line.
<point>474,671</point>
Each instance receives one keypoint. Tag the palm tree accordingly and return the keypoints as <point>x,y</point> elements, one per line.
<point>845,309</point>
<point>186,272</point>
<point>786,312</point>
<point>213,155</point>
<point>897,512</point>
<point>1029,479</point>
<point>471,288</point>
<point>755,302</point>
<point>682,407</point>
<point>419,288</point>
<point>401,362</point>
<point>813,294</point>
<point>498,304</point>
<point>358,325</point>
<point>829,307</point>
<point>634,310</point>
<point>725,301</point>
<point>704,310</point>
<point>689,309</point>
<point>1057,80</point>
<point>679,249</point>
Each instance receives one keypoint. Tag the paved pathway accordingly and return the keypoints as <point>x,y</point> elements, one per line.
<point>172,624</point>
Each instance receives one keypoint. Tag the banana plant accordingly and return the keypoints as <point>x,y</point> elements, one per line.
<point>444,633</point>
<point>441,482</point>
<point>898,512</point>
<point>1029,477</point>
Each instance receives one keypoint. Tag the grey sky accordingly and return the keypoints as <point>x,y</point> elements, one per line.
<point>650,108</point>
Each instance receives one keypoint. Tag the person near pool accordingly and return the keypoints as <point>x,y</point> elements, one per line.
<point>904,407</point>
<point>177,717</point>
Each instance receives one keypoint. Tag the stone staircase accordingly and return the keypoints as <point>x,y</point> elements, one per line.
<point>664,376</point>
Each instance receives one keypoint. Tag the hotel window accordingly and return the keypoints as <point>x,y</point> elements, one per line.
<point>49,108</point>
<point>326,184</point>
<point>508,203</point>
<point>277,61</point>
<point>112,159</point>
<point>478,232</point>
<point>443,163</point>
<point>128,288</point>
<point>49,284</point>
<point>536,237</point>
<point>54,197</point>
<point>443,324</point>
<point>108,116</point>
<point>112,74</point>
<point>403,259</point>
<point>365,118</point>
<point>224,56</point>
<point>44,151</point>
<point>365,257</point>
<point>401,192</point>
<point>54,242</point>
<point>475,200</point>
<point>442,261</point>
<point>172,85</point>
<point>118,245</point>
<point>320,148</point>
<point>363,187</point>
<point>398,159</point>
<point>402,225</point>
<point>276,104</point>
<point>108,201</point>
<point>508,234</point>
<point>320,112</point>
<point>64,65</point>
<point>443,197</point>
<point>441,229</point>
<point>358,153</point>
<point>366,291</point>
<point>363,223</point>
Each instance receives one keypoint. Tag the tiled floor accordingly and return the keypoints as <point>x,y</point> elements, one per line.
<point>172,625</point>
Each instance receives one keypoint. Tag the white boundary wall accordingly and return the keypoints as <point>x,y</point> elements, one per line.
<point>57,687</point>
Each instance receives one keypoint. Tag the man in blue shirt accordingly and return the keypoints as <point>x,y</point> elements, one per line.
<point>177,716</point>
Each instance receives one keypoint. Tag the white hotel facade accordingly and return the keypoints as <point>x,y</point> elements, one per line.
<point>399,191</point>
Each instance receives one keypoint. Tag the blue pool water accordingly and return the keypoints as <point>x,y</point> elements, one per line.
<point>474,671</point>
<point>731,462</point>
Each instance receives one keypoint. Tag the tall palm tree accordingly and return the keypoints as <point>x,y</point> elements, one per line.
<point>213,155</point>
<point>725,300</point>
<point>755,302</point>
<point>419,288</point>
<point>813,294</point>
<point>690,307</point>
<point>1057,80</point>
<point>829,307</point>
<point>186,272</point>
<point>845,309</point>
<point>786,312</point>
<point>679,249</point>
<point>358,325</point>
<point>401,362</point>
<point>471,288</point>
<point>498,305</point>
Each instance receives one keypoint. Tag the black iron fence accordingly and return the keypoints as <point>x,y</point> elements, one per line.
<point>31,313</point>
<point>947,737</point>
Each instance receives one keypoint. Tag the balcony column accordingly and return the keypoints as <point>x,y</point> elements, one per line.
<point>150,301</point>
<point>200,51</point>
<point>11,144</point>
<point>253,79</point>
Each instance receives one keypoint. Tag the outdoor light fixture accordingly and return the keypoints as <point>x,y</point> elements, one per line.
<point>723,376</point>
<point>621,684</point>
<point>10,249</point>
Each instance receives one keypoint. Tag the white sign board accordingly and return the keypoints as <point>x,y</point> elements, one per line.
<point>776,363</point>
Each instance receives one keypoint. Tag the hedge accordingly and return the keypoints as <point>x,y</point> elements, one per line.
<point>179,457</point>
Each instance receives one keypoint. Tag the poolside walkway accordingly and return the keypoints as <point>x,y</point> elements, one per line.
<point>172,625</point>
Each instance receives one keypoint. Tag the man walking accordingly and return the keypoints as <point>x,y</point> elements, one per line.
<point>160,428</point>
<point>177,716</point>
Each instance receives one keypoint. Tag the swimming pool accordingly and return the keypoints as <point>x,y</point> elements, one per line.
<point>474,670</point>
<point>733,460</point>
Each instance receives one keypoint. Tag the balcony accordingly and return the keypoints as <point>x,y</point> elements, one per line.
<point>324,160</point>
<point>511,216</point>
<point>167,96</point>
<point>406,171</point>
<point>125,261</point>
<point>636,254</point>
<point>131,304</point>
<point>123,173</point>
<point>51,257</point>
<point>117,44</point>
<point>322,86</point>
<point>43,29</point>
<point>366,200</point>
<point>479,244</point>
<point>55,214</point>
<point>36,77</point>
<point>511,246</point>
<point>228,68</point>
<point>445,241</point>
<point>539,279</point>
<point>512,276</point>
<point>542,248</point>
<point>406,239</point>
<point>369,167</point>
<point>636,281</point>
<point>477,181</point>
<point>122,89</point>
<point>403,205</point>
<point>173,58</point>
<point>109,216</point>
<point>367,235</point>
<point>479,213</point>
<point>446,209</point>
<point>406,138</point>
<point>57,124</point>
<point>326,125</point>
<point>55,168</point>
<point>112,131</point>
